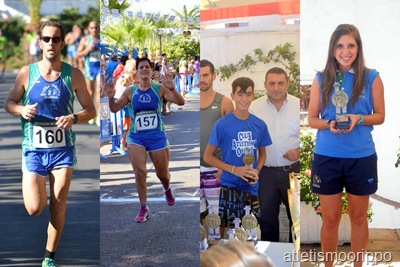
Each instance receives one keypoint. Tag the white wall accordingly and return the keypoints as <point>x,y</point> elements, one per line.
<point>379,25</point>
<point>226,46</point>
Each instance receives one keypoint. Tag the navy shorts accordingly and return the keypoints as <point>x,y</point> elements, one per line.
<point>42,162</point>
<point>152,142</point>
<point>232,202</point>
<point>358,175</point>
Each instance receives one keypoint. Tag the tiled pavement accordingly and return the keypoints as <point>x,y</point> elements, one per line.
<point>384,243</point>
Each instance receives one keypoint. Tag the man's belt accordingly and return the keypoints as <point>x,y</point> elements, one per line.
<point>284,168</point>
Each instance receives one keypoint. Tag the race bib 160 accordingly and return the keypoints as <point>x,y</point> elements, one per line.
<point>48,137</point>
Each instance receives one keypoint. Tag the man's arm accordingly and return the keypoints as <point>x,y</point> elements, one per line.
<point>226,106</point>
<point>88,110</point>
<point>293,154</point>
<point>11,104</point>
<point>262,157</point>
<point>83,49</point>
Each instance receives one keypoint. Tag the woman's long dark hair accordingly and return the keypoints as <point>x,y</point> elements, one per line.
<point>329,73</point>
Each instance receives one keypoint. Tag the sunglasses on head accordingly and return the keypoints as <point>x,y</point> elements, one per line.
<point>47,39</point>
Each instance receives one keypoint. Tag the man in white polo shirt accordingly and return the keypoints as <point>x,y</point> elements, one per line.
<point>281,112</point>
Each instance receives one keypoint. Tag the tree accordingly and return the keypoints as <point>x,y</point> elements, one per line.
<point>127,33</point>
<point>113,4</point>
<point>194,14</point>
<point>34,11</point>
<point>162,29</point>
<point>181,46</point>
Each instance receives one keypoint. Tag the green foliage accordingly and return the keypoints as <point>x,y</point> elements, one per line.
<point>128,33</point>
<point>280,54</point>
<point>34,11</point>
<point>113,4</point>
<point>306,152</point>
<point>181,46</point>
<point>194,13</point>
<point>259,93</point>
<point>70,16</point>
<point>13,29</point>
<point>307,142</point>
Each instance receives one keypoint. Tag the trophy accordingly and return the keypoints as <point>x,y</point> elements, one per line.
<point>248,160</point>
<point>231,234</point>
<point>203,238</point>
<point>213,222</point>
<point>340,100</point>
<point>249,222</point>
<point>240,234</point>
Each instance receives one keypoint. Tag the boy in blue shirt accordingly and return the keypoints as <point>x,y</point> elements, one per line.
<point>242,138</point>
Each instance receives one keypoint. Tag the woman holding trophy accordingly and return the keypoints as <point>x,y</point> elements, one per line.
<point>346,100</point>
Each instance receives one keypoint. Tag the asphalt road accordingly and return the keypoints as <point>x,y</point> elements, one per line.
<point>23,238</point>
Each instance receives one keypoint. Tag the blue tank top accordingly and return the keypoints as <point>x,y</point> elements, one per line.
<point>358,143</point>
<point>92,60</point>
<point>55,99</point>
<point>146,110</point>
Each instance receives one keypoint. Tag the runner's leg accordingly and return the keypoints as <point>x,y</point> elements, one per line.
<point>60,180</point>
<point>138,156</point>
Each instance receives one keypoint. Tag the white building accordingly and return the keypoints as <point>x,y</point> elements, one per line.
<point>226,38</point>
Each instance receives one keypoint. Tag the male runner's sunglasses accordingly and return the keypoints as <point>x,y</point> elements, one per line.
<point>47,39</point>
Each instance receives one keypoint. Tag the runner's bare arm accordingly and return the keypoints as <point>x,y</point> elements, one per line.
<point>82,48</point>
<point>88,110</point>
<point>168,91</point>
<point>14,97</point>
<point>172,95</point>
<point>121,102</point>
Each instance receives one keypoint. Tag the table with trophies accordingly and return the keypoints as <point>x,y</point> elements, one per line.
<point>245,231</point>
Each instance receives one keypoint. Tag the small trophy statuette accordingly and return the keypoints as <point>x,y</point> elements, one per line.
<point>249,222</point>
<point>248,158</point>
<point>340,100</point>
<point>213,222</point>
<point>240,233</point>
<point>203,238</point>
<point>231,234</point>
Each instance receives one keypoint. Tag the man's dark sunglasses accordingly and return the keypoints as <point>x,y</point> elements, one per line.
<point>47,39</point>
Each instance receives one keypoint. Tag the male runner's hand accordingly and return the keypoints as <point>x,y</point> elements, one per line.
<point>28,112</point>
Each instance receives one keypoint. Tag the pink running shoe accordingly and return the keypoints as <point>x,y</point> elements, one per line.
<point>169,197</point>
<point>143,215</point>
